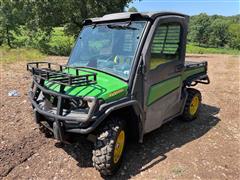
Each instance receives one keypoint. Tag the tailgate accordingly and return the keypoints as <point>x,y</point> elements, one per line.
<point>195,72</point>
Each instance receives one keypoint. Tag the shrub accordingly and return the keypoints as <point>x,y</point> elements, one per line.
<point>55,43</point>
<point>59,43</point>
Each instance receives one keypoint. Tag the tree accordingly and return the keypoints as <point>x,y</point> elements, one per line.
<point>11,17</point>
<point>44,14</point>
<point>75,11</point>
<point>234,36</point>
<point>200,28</point>
<point>132,9</point>
<point>41,16</point>
<point>219,33</point>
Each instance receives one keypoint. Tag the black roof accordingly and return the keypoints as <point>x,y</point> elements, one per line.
<point>131,16</point>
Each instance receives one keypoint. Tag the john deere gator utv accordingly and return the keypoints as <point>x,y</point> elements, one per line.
<point>125,77</point>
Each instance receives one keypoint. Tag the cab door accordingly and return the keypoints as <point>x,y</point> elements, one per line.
<point>164,60</point>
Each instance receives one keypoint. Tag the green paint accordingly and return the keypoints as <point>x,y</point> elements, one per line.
<point>191,72</point>
<point>162,88</point>
<point>104,88</point>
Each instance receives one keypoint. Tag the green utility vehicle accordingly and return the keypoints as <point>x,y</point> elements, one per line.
<point>125,77</point>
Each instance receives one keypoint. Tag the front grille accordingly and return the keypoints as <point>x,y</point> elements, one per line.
<point>67,104</point>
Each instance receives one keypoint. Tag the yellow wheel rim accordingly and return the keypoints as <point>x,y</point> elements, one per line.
<point>194,105</point>
<point>118,149</point>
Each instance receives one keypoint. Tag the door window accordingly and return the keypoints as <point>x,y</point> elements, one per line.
<point>165,44</point>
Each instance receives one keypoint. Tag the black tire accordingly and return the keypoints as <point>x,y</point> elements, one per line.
<point>103,153</point>
<point>192,93</point>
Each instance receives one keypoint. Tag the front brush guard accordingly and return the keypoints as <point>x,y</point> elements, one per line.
<point>60,120</point>
<point>33,96</point>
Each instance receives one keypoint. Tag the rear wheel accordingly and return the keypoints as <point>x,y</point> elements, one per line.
<point>109,147</point>
<point>192,105</point>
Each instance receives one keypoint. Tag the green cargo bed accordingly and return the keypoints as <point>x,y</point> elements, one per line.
<point>193,69</point>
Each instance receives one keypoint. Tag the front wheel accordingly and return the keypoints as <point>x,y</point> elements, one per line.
<point>109,147</point>
<point>192,105</point>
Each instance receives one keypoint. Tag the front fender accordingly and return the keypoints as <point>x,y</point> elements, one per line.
<point>123,103</point>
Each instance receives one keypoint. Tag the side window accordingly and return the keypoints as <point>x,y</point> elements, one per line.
<point>165,44</point>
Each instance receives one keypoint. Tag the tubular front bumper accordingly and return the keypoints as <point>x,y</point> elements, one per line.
<point>72,122</point>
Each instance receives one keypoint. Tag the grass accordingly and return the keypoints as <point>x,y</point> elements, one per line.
<point>193,49</point>
<point>8,55</point>
<point>29,54</point>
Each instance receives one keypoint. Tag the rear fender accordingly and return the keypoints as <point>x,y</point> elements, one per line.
<point>198,78</point>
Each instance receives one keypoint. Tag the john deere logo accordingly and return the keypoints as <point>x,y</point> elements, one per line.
<point>115,92</point>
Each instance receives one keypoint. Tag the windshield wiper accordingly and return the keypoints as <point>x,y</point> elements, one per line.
<point>121,26</point>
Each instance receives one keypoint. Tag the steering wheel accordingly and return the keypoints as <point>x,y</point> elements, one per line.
<point>122,59</point>
<point>92,61</point>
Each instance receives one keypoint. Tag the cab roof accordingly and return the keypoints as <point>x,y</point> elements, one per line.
<point>131,16</point>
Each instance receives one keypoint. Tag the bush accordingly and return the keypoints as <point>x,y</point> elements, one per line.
<point>59,43</point>
<point>26,38</point>
<point>55,43</point>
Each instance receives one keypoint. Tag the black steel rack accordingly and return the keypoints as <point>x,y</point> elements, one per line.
<point>53,72</point>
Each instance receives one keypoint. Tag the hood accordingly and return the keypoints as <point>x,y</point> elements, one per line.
<point>107,87</point>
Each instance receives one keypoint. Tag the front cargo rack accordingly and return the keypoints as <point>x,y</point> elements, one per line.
<point>56,73</point>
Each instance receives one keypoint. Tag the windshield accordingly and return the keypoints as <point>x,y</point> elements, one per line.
<point>108,47</point>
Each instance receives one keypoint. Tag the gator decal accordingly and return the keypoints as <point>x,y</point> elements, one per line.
<point>116,92</point>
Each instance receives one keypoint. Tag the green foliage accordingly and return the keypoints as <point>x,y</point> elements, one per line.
<point>132,9</point>
<point>219,33</point>
<point>200,28</point>
<point>22,20</point>
<point>44,14</point>
<point>59,43</point>
<point>12,14</point>
<point>76,11</point>
<point>29,38</point>
<point>28,23</point>
<point>214,31</point>
<point>234,33</point>
<point>195,49</point>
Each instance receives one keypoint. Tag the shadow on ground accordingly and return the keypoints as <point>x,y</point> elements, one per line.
<point>141,157</point>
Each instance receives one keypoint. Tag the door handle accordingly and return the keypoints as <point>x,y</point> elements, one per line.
<point>179,68</point>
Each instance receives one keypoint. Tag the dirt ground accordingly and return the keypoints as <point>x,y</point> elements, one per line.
<point>207,148</point>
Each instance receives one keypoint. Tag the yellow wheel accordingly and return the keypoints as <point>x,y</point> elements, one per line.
<point>193,102</point>
<point>194,105</point>
<point>118,149</point>
<point>109,147</point>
